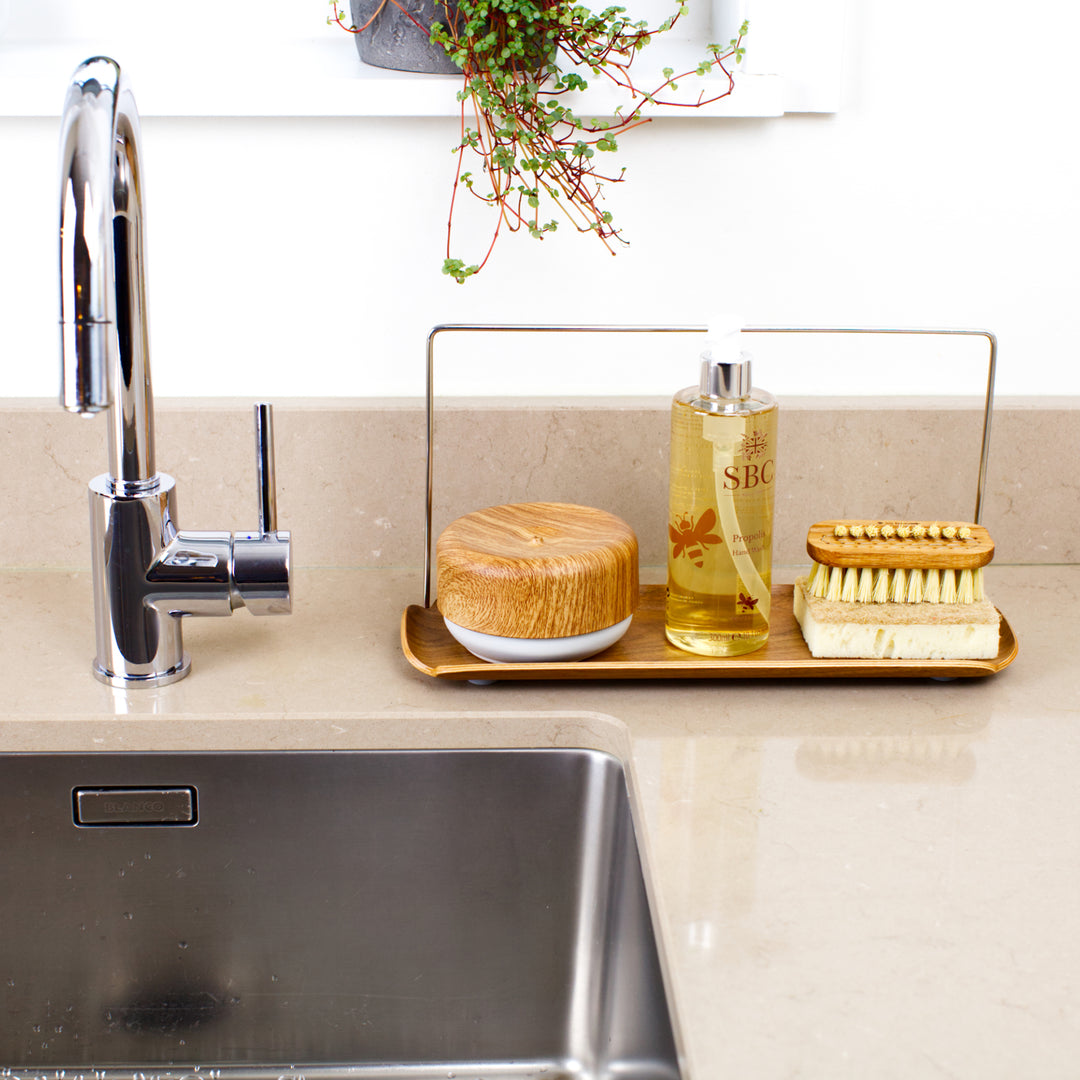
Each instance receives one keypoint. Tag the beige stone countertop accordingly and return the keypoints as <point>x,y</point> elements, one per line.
<point>860,878</point>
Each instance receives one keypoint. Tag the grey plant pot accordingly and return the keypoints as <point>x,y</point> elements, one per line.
<point>394,41</point>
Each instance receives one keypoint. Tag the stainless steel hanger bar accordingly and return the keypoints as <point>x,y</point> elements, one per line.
<point>570,328</point>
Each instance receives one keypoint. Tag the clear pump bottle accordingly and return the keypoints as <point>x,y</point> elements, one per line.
<point>720,513</point>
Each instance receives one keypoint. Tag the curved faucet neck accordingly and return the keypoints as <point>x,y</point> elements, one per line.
<point>104,341</point>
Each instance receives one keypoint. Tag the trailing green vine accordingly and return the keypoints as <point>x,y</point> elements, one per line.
<point>523,62</point>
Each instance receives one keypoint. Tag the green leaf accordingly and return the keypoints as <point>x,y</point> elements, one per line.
<point>456,269</point>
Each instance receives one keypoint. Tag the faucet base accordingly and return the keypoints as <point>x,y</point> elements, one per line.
<point>139,639</point>
<point>124,682</point>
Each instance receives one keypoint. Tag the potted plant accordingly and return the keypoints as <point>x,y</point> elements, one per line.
<point>397,34</point>
<point>523,62</point>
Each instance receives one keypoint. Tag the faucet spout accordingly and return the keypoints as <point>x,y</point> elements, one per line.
<point>147,573</point>
<point>104,340</point>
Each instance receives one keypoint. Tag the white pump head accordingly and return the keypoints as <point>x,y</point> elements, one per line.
<point>725,367</point>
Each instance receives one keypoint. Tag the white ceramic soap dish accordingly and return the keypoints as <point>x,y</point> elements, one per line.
<point>507,650</point>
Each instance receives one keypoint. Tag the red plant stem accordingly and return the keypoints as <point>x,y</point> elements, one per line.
<point>568,176</point>
<point>457,180</point>
<point>453,197</point>
<point>378,11</point>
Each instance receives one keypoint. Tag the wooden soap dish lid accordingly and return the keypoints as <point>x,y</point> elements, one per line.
<point>537,570</point>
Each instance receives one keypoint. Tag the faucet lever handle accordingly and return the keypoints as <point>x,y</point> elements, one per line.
<point>264,465</point>
<point>260,561</point>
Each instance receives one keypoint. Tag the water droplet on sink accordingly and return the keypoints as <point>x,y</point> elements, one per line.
<point>181,944</point>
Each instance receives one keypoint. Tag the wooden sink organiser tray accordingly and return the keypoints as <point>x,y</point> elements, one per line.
<point>644,652</point>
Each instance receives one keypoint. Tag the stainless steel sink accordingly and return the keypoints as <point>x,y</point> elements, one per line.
<point>406,914</point>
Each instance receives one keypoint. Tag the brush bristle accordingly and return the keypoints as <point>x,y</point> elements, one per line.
<point>864,585</point>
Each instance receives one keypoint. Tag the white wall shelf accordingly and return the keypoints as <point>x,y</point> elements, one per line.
<point>312,77</point>
<point>283,60</point>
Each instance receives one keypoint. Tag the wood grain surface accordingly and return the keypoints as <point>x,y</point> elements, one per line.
<point>537,570</point>
<point>900,554</point>
<point>644,653</point>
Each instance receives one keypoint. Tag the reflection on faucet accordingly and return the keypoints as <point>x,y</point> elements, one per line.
<point>147,573</point>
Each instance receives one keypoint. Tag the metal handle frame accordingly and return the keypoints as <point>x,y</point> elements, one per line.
<point>264,467</point>
<point>547,328</point>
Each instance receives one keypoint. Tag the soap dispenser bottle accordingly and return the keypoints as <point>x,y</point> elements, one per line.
<point>720,512</point>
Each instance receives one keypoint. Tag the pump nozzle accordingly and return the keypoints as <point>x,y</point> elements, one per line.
<point>725,368</point>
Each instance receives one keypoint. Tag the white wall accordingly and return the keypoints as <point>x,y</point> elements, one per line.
<point>302,256</point>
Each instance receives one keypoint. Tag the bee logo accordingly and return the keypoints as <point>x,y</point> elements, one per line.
<point>747,604</point>
<point>692,539</point>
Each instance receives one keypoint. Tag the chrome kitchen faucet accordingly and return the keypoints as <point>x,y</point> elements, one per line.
<point>147,574</point>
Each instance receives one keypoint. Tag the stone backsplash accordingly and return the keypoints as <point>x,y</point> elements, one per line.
<point>351,472</point>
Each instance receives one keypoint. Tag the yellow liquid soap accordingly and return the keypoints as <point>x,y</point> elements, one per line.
<point>712,624</point>
<point>720,522</point>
